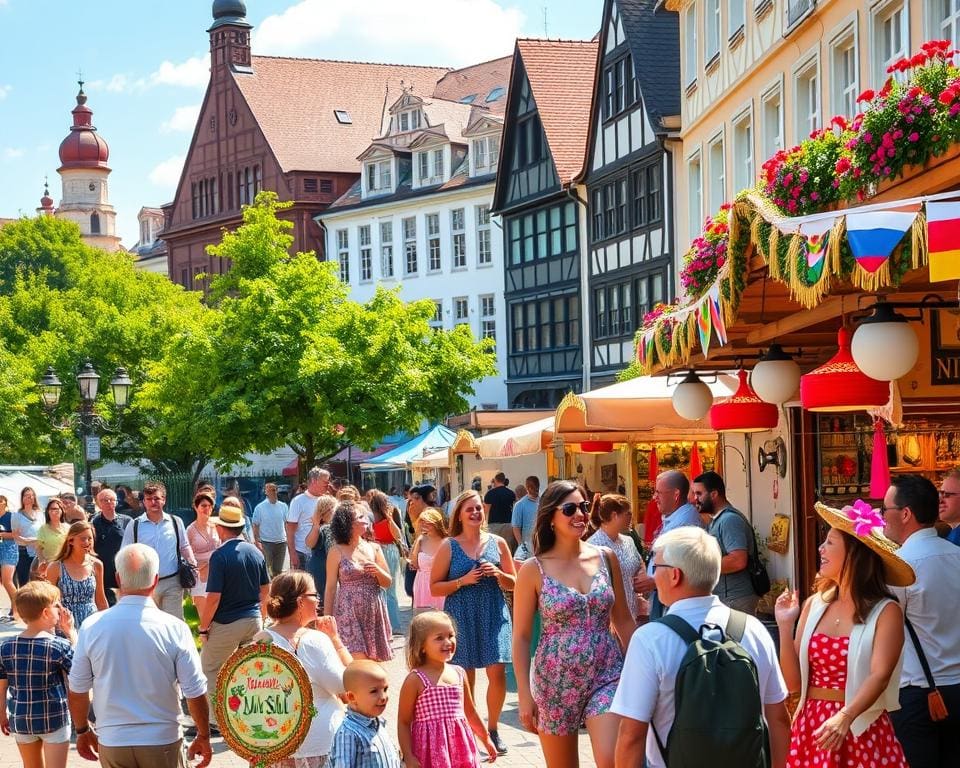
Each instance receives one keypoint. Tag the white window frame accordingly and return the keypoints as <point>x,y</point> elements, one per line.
<point>486,154</point>
<point>382,177</point>
<point>743,140</point>
<point>717,158</point>
<point>461,310</point>
<point>736,17</point>
<point>712,27</point>
<point>366,253</point>
<point>484,237</point>
<point>437,320</point>
<point>458,238</point>
<point>880,55</point>
<point>807,104</point>
<point>691,67</point>
<point>771,100</point>
<point>410,255</point>
<point>488,316</point>
<point>387,271</point>
<point>844,52</point>
<point>695,196</point>
<point>939,27</point>
<point>431,224</point>
<point>343,254</point>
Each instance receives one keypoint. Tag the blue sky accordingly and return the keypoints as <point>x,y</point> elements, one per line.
<point>145,67</point>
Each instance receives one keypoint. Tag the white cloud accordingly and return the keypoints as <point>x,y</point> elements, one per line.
<point>167,173</point>
<point>11,153</point>
<point>192,73</point>
<point>373,28</point>
<point>4,89</point>
<point>183,120</point>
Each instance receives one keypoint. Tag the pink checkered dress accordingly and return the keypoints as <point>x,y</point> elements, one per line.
<point>441,734</point>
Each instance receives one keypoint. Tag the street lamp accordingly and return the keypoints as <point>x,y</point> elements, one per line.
<point>87,422</point>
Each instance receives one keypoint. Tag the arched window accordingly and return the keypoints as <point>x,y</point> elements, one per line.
<point>94,223</point>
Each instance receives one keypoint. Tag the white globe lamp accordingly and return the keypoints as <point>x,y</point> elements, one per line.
<point>775,377</point>
<point>692,398</point>
<point>884,346</point>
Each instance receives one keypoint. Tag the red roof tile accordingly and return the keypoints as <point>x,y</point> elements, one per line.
<point>477,80</point>
<point>561,75</point>
<point>294,102</point>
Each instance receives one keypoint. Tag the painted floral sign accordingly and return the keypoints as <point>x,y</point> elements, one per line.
<point>264,703</point>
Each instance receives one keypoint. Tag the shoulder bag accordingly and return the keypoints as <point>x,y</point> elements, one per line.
<point>935,703</point>
<point>187,572</point>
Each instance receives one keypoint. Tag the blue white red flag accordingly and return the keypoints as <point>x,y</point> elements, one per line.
<point>873,236</point>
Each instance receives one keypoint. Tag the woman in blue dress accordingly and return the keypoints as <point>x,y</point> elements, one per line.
<point>79,574</point>
<point>470,570</point>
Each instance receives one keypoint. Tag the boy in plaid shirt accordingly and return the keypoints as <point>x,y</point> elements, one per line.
<point>35,665</point>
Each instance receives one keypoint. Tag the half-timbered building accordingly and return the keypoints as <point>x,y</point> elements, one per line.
<point>544,217</point>
<point>628,176</point>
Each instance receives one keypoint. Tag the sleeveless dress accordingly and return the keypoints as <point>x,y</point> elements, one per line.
<point>361,613</point>
<point>440,732</point>
<point>421,584</point>
<point>77,596</point>
<point>479,610</point>
<point>578,661</point>
<point>876,747</point>
<point>629,559</point>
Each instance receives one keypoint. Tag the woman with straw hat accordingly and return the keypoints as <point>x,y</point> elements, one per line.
<point>845,657</point>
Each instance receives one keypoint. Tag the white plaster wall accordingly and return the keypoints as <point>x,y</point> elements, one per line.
<point>516,468</point>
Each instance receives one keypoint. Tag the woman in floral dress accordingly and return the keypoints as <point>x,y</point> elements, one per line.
<point>578,590</point>
<point>845,658</point>
<point>610,518</point>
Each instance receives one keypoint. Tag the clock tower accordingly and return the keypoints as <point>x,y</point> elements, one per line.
<point>83,173</point>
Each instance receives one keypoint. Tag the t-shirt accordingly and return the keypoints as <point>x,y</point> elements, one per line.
<point>301,512</point>
<point>271,516</point>
<point>647,684</point>
<point>733,532</point>
<point>501,500</point>
<point>237,571</point>
<point>524,517</point>
<point>27,528</point>
<point>8,547</point>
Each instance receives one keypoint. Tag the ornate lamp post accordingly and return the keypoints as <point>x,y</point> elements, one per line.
<point>87,423</point>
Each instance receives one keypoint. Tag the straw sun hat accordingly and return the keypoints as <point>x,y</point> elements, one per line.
<point>231,514</point>
<point>866,524</point>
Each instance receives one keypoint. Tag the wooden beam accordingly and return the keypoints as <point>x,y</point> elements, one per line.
<point>830,308</point>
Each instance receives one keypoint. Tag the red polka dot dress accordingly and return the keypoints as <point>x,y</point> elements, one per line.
<point>877,747</point>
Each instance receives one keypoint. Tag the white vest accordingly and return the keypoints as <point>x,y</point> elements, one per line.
<point>859,653</point>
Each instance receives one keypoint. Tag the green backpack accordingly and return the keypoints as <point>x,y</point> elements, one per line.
<point>718,718</point>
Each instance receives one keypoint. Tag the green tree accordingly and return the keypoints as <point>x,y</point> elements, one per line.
<point>297,362</point>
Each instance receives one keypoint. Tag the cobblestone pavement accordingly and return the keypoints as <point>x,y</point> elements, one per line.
<point>524,747</point>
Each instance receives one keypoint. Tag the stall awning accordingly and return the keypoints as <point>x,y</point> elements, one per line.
<point>517,441</point>
<point>436,460</point>
<point>640,406</point>
<point>402,456</point>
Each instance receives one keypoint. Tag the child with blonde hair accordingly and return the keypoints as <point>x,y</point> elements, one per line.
<point>431,531</point>
<point>436,710</point>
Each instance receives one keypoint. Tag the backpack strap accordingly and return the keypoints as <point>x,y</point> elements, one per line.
<point>687,633</point>
<point>136,529</point>
<point>736,625</point>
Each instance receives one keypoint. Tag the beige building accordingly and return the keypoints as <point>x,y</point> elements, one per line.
<point>761,75</point>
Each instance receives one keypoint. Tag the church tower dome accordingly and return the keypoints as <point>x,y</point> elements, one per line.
<point>83,147</point>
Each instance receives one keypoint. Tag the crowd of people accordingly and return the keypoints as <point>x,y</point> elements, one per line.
<point>656,650</point>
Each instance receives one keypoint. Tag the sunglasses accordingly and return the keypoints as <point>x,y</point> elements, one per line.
<point>572,507</point>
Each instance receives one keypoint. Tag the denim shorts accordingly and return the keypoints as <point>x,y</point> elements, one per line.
<point>9,552</point>
<point>54,737</point>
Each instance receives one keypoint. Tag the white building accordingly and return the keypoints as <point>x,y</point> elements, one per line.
<point>150,252</point>
<point>419,219</point>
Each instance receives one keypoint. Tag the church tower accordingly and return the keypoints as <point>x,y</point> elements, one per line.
<point>83,172</point>
<point>229,38</point>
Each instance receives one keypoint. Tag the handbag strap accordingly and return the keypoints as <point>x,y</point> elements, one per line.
<point>920,654</point>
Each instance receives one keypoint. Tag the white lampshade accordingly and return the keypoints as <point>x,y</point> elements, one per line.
<point>884,346</point>
<point>775,377</point>
<point>692,398</point>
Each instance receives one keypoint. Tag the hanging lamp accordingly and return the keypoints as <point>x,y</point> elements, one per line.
<point>839,385</point>
<point>596,446</point>
<point>743,411</point>
<point>884,346</point>
<point>776,377</point>
<point>692,398</point>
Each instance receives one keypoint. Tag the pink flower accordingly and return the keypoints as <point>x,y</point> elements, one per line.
<point>865,520</point>
<point>913,136</point>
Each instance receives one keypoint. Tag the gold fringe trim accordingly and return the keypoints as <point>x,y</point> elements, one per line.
<point>807,295</point>
<point>773,256</point>
<point>918,241</point>
<point>834,244</point>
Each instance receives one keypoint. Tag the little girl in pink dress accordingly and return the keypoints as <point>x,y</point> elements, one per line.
<point>432,531</point>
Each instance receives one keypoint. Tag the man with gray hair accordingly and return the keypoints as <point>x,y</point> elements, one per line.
<point>108,529</point>
<point>300,516</point>
<point>136,694</point>
<point>686,568</point>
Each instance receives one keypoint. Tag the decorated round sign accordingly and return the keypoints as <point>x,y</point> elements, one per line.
<point>264,703</point>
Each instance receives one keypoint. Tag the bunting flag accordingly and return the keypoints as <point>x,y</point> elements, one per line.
<point>873,236</point>
<point>645,348</point>
<point>815,236</point>
<point>704,326</point>
<point>716,313</point>
<point>943,240</point>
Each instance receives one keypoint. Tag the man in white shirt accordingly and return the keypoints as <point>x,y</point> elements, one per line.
<point>269,531</point>
<point>687,568</point>
<point>137,693</point>
<point>910,509</point>
<point>300,516</point>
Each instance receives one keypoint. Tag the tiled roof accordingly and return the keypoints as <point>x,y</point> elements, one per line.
<point>654,37</point>
<point>294,100</point>
<point>560,73</point>
<point>477,80</point>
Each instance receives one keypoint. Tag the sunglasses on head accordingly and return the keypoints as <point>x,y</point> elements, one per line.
<point>571,507</point>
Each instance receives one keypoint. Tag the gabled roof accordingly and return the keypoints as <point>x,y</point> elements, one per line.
<point>293,101</point>
<point>653,34</point>
<point>481,120</point>
<point>561,75</point>
<point>478,80</point>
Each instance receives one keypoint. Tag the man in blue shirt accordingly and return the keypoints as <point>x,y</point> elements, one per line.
<point>524,517</point>
<point>237,591</point>
<point>950,504</point>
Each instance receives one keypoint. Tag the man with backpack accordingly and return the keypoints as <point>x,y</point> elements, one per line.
<point>700,686</point>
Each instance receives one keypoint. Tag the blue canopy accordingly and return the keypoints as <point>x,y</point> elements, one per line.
<point>434,439</point>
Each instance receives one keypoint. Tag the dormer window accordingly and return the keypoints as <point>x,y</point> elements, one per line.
<point>486,152</point>
<point>495,94</point>
<point>430,166</point>
<point>409,120</point>
<point>379,176</point>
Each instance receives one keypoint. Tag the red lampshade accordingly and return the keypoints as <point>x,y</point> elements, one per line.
<point>596,446</point>
<point>744,411</point>
<point>839,385</point>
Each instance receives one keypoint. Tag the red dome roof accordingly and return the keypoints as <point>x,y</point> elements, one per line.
<point>83,147</point>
